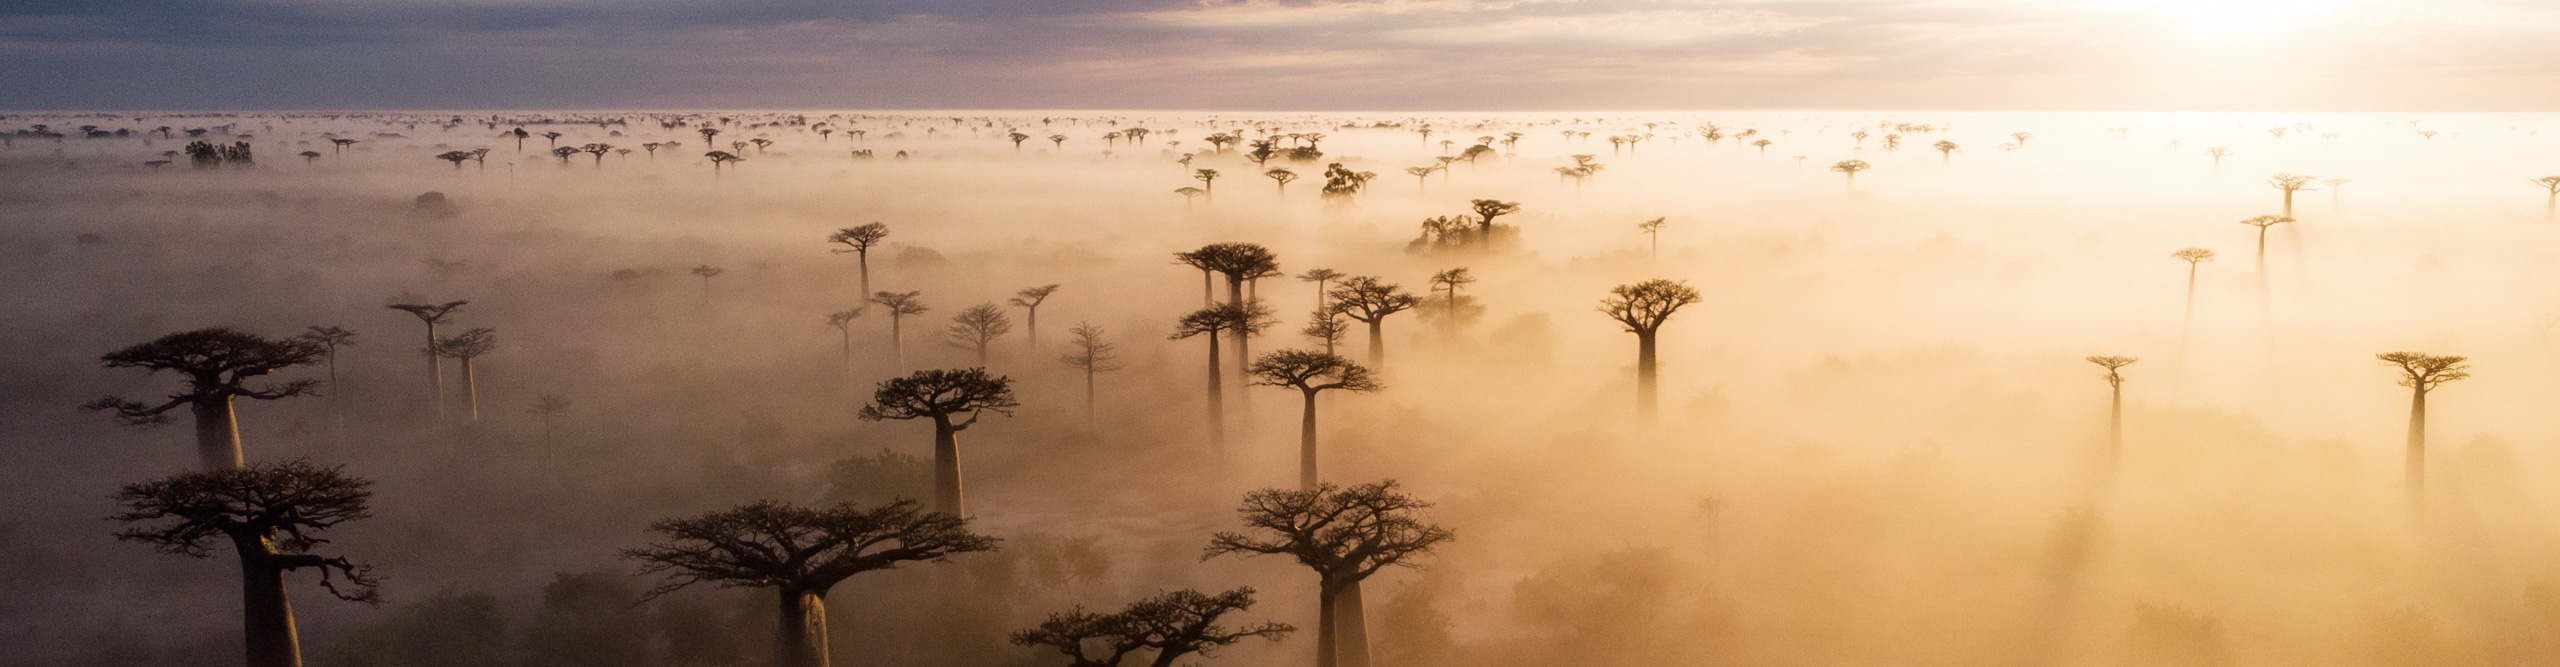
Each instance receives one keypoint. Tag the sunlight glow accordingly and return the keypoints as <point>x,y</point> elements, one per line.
<point>2238,18</point>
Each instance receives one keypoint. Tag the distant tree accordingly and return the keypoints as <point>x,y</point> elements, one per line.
<point>554,137</point>
<point>1643,308</point>
<point>940,395</point>
<point>216,365</point>
<point>1946,150</point>
<point>564,153</point>
<point>707,272</point>
<point>760,143</point>
<point>1486,210</point>
<point>2262,223</point>
<point>1030,299</point>
<point>2289,184</point>
<point>1175,625</point>
<point>900,305</point>
<point>1282,176</point>
<point>467,346</point>
<point>548,408</point>
<point>519,135</point>
<point>975,327</point>
<point>843,322</point>
<point>1226,318</point>
<point>720,158</point>
<point>2422,373</point>
<point>432,314</point>
<point>1091,354</point>
<point>1310,373</point>
<point>1653,234</point>
<point>455,157</point>
<point>1366,299</point>
<point>1188,193</point>
<point>1058,141</point>
<point>2022,137</point>
<point>1345,535</point>
<point>2218,153</point>
<point>2194,257</point>
<point>598,150</point>
<point>1851,169</point>
<point>707,134</point>
<point>2115,409</point>
<point>801,553</point>
<point>1422,177</point>
<point>330,339</point>
<point>2551,202</point>
<point>1450,281</point>
<point>1320,277</point>
<point>1208,179</point>
<point>1017,139</point>
<point>2336,184</point>
<point>1238,263</point>
<point>859,240</point>
<point>309,157</point>
<point>273,515</point>
<point>338,146</point>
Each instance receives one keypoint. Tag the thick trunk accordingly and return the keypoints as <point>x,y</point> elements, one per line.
<point>1327,600</point>
<point>1646,398</point>
<point>1350,628</point>
<point>946,468</point>
<point>1207,292</point>
<point>470,390</point>
<point>800,636</point>
<point>1032,318</point>
<point>863,258</point>
<point>1235,295</point>
<point>2115,425</point>
<point>217,433</point>
<point>2288,203</point>
<point>1307,445</point>
<point>1217,402</point>
<point>2417,455</point>
<point>266,613</point>
<point>1377,344</point>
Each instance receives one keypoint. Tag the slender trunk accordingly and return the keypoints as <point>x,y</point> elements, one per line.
<point>863,258</point>
<point>266,612</point>
<point>337,415</point>
<point>470,390</point>
<point>1377,344</point>
<point>847,330</point>
<point>1088,397</point>
<point>217,433</point>
<point>1646,398</point>
<point>1307,445</point>
<point>2417,455</point>
<point>897,343</point>
<point>1244,401</point>
<point>800,636</point>
<point>1217,402</point>
<point>435,372</point>
<point>1350,628</point>
<point>946,468</point>
<point>2115,424</point>
<point>1032,319</point>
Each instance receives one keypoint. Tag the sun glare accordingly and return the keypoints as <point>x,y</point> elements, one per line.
<point>2238,18</point>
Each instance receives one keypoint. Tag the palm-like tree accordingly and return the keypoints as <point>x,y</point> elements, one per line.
<point>1030,299</point>
<point>1310,373</point>
<point>707,272</point>
<point>2115,410</point>
<point>858,241</point>
<point>900,305</point>
<point>467,346</point>
<point>2262,223</point>
<point>1653,234</point>
<point>2422,373</point>
<point>1208,179</point>
<point>2194,257</point>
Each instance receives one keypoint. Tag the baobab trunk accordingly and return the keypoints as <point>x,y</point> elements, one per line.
<point>266,614</point>
<point>1350,628</point>
<point>217,434</point>
<point>1030,318</point>
<point>800,638</point>
<point>1328,602</point>
<point>1307,445</point>
<point>1646,396</point>
<point>863,258</point>
<point>2115,426</point>
<point>897,343</point>
<point>946,468</point>
<point>1088,397</point>
<point>435,372</point>
<point>1377,344</point>
<point>1217,402</point>
<point>2417,455</point>
<point>470,390</point>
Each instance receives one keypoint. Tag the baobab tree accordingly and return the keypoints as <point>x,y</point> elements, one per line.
<point>1653,235</point>
<point>338,146</point>
<point>564,153</point>
<point>1422,177</point>
<point>1320,277</point>
<point>1017,139</point>
<point>1310,373</point>
<point>1282,176</point>
<point>2551,202</point>
<point>707,134</point>
<point>1030,299</point>
<point>597,150</point>
<point>1243,319</point>
<point>1238,263</point>
<point>216,365</point>
<point>2194,257</point>
<point>548,409</point>
<point>976,327</point>
<point>1946,150</point>
<point>1188,193</point>
<point>1370,301</point>
<point>2115,405</point>
<point>330,339</point>
<point>843,322</point>
<point>858,241</point>
<point>2422,373</point>
<point>1345,535</point>
<point>940,395</point>
<point>2335,185</point>
<point>1450,281</point>
<point>1058,141</point>
<point>519,135</point>
<point>555,139</point>
<point>801,553</point>
<point>1091,354</point>
<point>2218,153</point>
<point>1643,307</point>
<point>1851,169</point>
<point>2289,184</point>
<point>1208,179</point>
<point>2022,138</point>
<point>900,305</point>
<point>1175,625</point>
<point>432,314</point>
<point>455,157</point>
<point>707,272</point>
<point>273,514</point>
<point>466,346</point>
<point>2262,223</point>
<point>1486,210</point>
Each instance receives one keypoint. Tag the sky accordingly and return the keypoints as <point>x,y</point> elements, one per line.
<point>1443,55</point>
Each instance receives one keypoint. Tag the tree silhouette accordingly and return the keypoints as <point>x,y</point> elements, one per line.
<point>1058,140</point>
<point>597,150</point>
<point>719,158</point>
<point>2022,138</point>
<point>1946,150</point>
<point>1486,210</point>
<point>707,134</point>
<point>520,135</point>
<point>1237,262</point>
<point>1188,193</point>
<point>2289,184</point>
<point>339,146</point>
<point>273,514</point>
<point>1643,307</point>
<point>1091,354</point>
<point>1366,299</point>
<point>1450,281</point>
<point>455,157</point>
<point>900,305</point>
<point>1208,179</point>
<point>1017,139</point>
<point>1320,277</point>
<point>216,365</point>
<point>1763,145</point>
<point>843,322</point>
<point>1653,235</point>
<point>801,553</point>
<point>548,408</point>
<point>2262,223</point>
<point>1175,624</point>
<point>940,395</point>
<point>2550,203</point>
<point>1422,177</point>
<point>2218,153</point>
<point>2194,257</point>
<point>2422,373</point>
<point>1345,535</point>
<point>466,346</point>
<point>1282,176</point>
<point>1241,319</point>
<point>1030,299</point>
<point>330,339</point>
<point>707,272</point>
<point>975,327</point>
<point>1310,373</point>
<point>564,153</point>
<point>858,240</point>
<point>432,314</point>
<point>2115,409</point>
<point>1851,169</point>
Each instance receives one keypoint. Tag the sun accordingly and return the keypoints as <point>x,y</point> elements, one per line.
<point>2238,18</point>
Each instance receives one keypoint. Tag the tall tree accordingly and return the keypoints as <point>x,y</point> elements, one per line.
<point>432,314</point>
<point>1486,210</point>
<point>1653,236</point>
<point>1091,354</point>
<point>1238,263</point>
<point>1449,281</point>
<point>273,515</point>
<point>858,240</point>
<point>1320,277</point>
<point>2262,223</point>
<point>1311,373</point>
<point>1851,168</point>
<point>466,346</point>
<point>2551,203</point>
<point>843,322</point>
<point>1030,299</point>
<point>1643,308</point>
<point>330,339</point>
<point>1282,176</point>
<point>1366,299</point>
<point>1326,325</point>
<point>1210,322</point>
<point>2422,373</point>
<point>1345,535</point>
<point>2115,404</point>
<point>1208,179</point>
<point>977,327</point>
<point>940,395</point>
<point>708,272</point>
<point>216,365</point>
<point>548,409</point>
<point>801,553</point>
<point>2288,184</point>
<point>1174,625</point>
<point>900,305</point>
